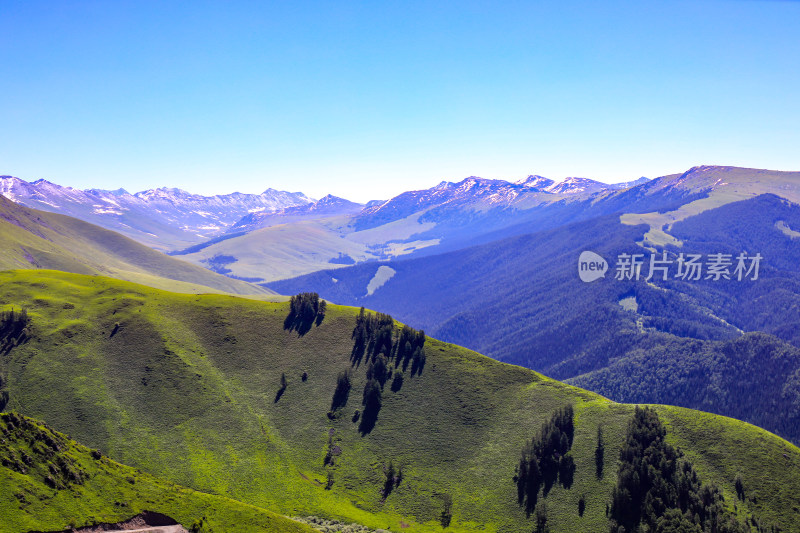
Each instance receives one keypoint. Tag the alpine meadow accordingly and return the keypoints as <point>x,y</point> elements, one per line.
<point>223,395</point>
<point>418,267</point>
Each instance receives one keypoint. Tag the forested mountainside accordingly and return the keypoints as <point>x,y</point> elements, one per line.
<point>520,300</point>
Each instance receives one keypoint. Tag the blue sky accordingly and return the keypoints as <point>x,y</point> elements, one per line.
<point>368,99</point>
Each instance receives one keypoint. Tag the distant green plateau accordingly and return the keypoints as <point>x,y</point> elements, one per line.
<point>30,238</point>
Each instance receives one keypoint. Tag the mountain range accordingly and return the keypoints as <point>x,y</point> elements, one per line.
<point>518,298</point>
<point>163,218</point>
<point>246,399</point>
<point>327,232</point>
<point>30,238</point>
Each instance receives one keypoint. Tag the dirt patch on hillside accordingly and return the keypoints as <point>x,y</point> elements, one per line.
<point>147,521</point>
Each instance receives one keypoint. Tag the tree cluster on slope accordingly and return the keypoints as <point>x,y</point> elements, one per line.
<point>305,310</point>
<point>13,328</point>
<point>545,459</point>
<point>385,351</point>
<point>599,453</point>
<point>375,335</point>
<point>372,402</point>
<point>341,393</point>
<point>658,490</point>
<point>392,479</point>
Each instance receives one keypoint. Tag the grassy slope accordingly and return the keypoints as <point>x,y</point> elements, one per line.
<point>284,250</point>
<point>106,492</point>
<point>36,239</point>
<point>297,248</point>
<point>186,388</point>
<point>726,185</point>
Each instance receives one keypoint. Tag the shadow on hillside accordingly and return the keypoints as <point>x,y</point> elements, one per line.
<point>13,332</point>
<point>279,394</point>
<point>368,420</point>
<point>357,354</point>
<point>299,324</point>
<point>305,310</point>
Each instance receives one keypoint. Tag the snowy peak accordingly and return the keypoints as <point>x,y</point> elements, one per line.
<point>577,185</point>
<point>374,203</point>
<point>535,182</point>
<point>283,199</point>
<point>168,194</point>
<point>334,203</point>
<point>470,194</point>
<point>478,194</point>
<point>13,188</point>
<point>326,206</point>
<point>165,217</point>
<point>104,192</point>
<point>468,191</point>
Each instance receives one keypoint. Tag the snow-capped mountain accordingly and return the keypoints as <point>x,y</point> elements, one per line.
<point>324,207</point>
<point>479,194</point>
<point>172,219</point>
<point>164,218</point>
<point>578,185</point>
<point>536,182</point>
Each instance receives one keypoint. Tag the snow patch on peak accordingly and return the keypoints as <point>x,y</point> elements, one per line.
<point>534,181</point>
<point>164,207</point>
<point>574,185</point>
<point>375,203</point>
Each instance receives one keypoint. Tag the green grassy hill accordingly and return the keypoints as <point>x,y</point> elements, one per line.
<point>188,388</point>
<point>36,239</point>
<point>724,185</point>
<point>283,250</point>
<point>51,483</point>
<point>300,247</point>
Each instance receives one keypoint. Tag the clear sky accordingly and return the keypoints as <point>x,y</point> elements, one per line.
<point>368,99</point>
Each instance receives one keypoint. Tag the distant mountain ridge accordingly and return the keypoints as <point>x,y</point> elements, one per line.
<point>33,239</point>
<point>482,194</point>
<point>219,231</point>
<point>335,232</point>
<point>163,218</point>
<point>278,234</point>
<point>326,206</point>
<point>168,218</point>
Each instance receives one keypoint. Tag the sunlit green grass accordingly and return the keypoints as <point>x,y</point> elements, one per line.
<point>36,239</point>
<point>107,492</point>
<point>185,389</point>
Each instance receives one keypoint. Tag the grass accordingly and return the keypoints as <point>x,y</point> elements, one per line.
<point>37,239</point>
<point>715,435</point>
<point>726,185</point>
<point>285,250</point>
<point>186,388</point>
<point>660,223</point>
<point>301,247</point>
<point>42,496</point>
